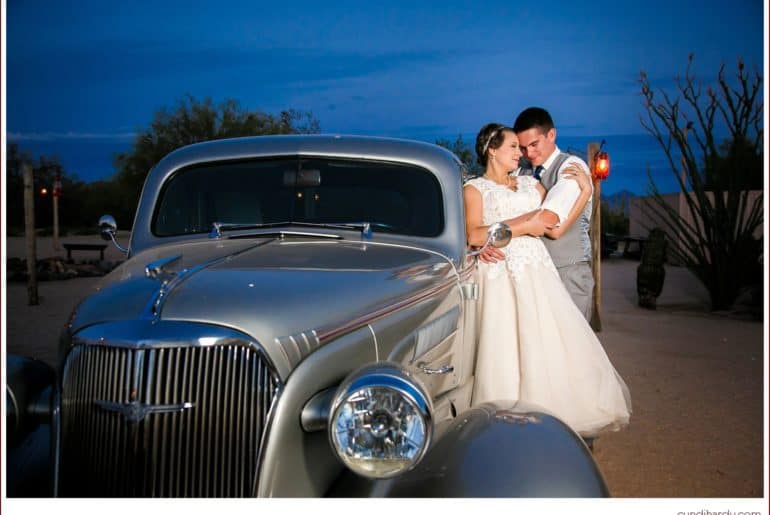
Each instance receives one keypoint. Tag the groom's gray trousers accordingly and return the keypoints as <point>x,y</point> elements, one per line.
<point>579,281</point>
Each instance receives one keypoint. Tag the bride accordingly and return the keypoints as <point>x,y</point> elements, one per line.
<point>534,343</point>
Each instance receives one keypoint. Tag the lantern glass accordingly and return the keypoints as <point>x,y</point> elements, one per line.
<point>602,166</point>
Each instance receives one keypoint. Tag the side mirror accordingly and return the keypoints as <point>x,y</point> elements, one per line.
<point>109,228</point>
<point>498,235</point>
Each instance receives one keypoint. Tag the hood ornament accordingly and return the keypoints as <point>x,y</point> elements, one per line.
<point>135,411</point>
<point>155,270</point>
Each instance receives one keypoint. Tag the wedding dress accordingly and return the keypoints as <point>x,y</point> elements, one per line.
<point>534,344</point>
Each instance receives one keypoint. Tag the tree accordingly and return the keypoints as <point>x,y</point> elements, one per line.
<point>463,152</point>
<point>44,170</point>
<point>719,245</point>
<point>194,121</point>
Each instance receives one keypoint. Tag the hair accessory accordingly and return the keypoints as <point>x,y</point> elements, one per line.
<point>489,139</point>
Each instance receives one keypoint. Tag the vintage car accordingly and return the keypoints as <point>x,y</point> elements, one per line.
<point>296,317</point>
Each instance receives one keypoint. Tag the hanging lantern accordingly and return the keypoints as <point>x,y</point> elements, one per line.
<point>601,166</point>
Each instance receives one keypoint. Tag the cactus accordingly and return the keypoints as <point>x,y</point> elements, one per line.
<point>650,273</point>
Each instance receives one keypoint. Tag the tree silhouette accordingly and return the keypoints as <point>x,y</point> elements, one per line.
<point>194,121</point>
<point>719,245</point>
<point>464,152</point>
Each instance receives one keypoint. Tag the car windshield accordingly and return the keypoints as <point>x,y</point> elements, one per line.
<point>392,197</point>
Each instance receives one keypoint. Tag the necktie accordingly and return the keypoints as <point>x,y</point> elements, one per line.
<point>538,170</point>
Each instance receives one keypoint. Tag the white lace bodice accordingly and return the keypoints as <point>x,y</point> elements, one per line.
<point>500,203</point>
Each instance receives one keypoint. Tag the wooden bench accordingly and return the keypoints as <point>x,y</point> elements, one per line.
<point>85,246</point>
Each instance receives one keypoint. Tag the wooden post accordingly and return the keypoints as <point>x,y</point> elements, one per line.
<point>596,240</point>
<point>56,193</point>
<point>29,231</point>
<point>55,221</point>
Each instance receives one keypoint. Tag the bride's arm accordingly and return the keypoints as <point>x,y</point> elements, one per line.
<point>476,231</point>
<point>543,219</point>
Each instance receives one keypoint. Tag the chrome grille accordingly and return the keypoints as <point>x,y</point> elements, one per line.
<point>210,449</point>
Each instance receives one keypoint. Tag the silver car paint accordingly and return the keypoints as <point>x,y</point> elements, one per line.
<point>272,289</point>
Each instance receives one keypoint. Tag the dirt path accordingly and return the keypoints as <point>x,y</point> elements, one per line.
<point>696,380</point>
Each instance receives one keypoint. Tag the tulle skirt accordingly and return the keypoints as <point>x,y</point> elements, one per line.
<point>536,346</point>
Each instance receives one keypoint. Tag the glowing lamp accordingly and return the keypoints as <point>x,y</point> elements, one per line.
<point>43,191</point>
<point>601,166</point>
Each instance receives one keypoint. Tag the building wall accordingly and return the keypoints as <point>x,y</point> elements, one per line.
<point>640,220</point>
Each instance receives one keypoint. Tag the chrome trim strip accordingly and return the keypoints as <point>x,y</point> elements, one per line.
<point>297,346</point>
<point>327,333</point>
<point>56,440</point>
<point>266,437</point>
<point>376,347</point>
<point>445,369</point>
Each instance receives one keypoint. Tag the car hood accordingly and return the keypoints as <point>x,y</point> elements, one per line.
<point>267,288</point>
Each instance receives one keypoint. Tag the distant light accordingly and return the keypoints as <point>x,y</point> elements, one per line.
<point>44,191</point>
<point>299,194</point>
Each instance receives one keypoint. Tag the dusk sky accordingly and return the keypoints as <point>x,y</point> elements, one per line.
<point>97,71</point>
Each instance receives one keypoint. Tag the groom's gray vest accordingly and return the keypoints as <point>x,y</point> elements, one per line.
<point>574,246</point>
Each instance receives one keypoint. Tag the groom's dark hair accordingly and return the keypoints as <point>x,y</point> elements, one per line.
<point>533,117</point>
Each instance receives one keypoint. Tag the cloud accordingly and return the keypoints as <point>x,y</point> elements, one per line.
<point>131,61</point>
<point>57,136</point>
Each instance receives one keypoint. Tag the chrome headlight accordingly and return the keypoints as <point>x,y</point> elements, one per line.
<point>380,422</point>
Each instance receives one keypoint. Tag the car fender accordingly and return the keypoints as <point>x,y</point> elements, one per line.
<point>28,416</point>
<point>501,449</point>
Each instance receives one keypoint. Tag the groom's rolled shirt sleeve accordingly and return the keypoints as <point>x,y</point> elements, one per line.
<point>563,195</point>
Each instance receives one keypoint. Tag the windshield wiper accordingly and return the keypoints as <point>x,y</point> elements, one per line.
<point>365,227</point>
<point>217,228</point>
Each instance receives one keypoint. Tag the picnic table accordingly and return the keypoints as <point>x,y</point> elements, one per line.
<point>85,246</point>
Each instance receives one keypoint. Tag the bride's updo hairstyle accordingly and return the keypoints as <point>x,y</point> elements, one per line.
<point>490,136</point>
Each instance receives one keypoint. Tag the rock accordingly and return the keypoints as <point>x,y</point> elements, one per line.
<point>57,269</point>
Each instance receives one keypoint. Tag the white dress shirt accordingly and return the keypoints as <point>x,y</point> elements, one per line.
<point>562,195</point>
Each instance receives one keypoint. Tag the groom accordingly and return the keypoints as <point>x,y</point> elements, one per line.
<point>571,253</point>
